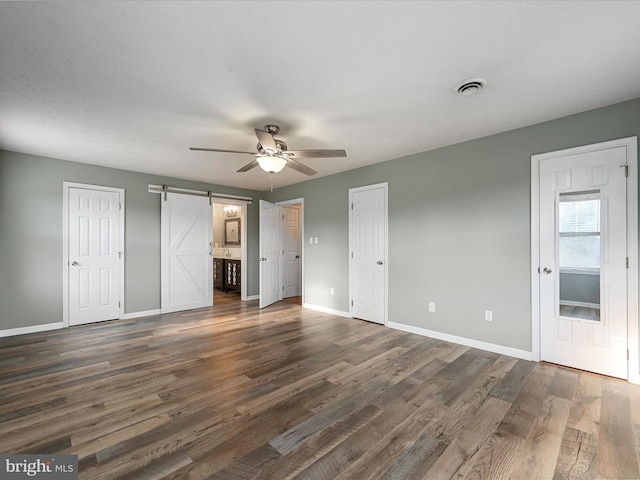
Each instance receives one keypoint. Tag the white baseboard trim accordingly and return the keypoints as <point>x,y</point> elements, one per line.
<point>146,313</point>
<point>339,313</point>
<point>467,342</point>
<point>252,297</point>
<point>33,329</point>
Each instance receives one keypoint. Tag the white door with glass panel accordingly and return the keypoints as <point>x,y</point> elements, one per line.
<point>94,254</point>
<point>368,237</point>
<point>583,255</point>
<point>186,232</point>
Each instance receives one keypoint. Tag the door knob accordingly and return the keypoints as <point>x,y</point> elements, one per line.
<point>379,262</point>
<point>546,270</point>
<point>74,264</point>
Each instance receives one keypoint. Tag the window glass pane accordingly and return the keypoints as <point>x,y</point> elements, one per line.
<point>579,216</point>
<point>580,251</point>
<point>579,255</point>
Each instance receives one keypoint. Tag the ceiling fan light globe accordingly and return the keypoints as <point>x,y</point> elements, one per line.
<point>271,163</point>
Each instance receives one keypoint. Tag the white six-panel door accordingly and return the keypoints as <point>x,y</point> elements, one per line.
<point>94,255</point>
<point>270,291</point>
<point>291,247</point>
<point>368,219</point>
<point>594,343</point>
<point>186,253</point>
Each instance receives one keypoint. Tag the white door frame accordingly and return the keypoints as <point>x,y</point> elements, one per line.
<point>297,201</point>
<point>630,144</point>
<point>385,187</point>
<point>66,186</point>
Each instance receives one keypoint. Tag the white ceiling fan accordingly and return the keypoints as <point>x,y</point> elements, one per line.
<point>273,156</point>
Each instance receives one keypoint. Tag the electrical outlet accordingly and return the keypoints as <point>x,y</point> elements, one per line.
<point>310,240</point>
<point>332,291</point>
<point>432,306</point>
<point>488,315</point>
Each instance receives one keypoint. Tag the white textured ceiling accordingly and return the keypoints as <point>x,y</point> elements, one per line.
<point>133,85</point>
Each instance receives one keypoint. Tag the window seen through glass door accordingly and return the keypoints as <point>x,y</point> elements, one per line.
<point>579,254</point>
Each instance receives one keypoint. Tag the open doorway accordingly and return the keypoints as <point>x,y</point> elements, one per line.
<point>281,252</point>
<point>229,258</point>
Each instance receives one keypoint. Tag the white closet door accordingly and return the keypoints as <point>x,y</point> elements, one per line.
<point>368,253</point>
<point>270,291</point>
<point>291,250</point>
<point>94,259</point>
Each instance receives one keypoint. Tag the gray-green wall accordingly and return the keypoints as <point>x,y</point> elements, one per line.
<point>31,235</point>
<point>459,230</point>
<point>459,227</point>
<point>579,287</point>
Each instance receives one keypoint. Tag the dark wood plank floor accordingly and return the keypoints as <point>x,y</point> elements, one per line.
<point>237,393</point>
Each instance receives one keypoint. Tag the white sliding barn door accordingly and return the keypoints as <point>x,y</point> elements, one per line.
<point>187,262</point>
<point>368,252</point>
<point>270,286</point>
<point>94,255</point>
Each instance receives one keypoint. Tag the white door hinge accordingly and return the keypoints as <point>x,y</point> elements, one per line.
<point>626,169</point>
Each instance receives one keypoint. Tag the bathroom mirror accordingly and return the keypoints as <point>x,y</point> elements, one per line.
<point>232,231</point>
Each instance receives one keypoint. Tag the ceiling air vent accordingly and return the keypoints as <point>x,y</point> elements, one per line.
<point>470,87</point>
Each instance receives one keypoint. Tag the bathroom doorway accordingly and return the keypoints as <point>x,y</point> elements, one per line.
<point>229,253</point>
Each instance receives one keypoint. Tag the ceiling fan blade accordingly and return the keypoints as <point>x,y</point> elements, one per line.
<point>248,166</point>
<point>316,153</point>
<point>266,140</point>
<point>219,150</point>
<point>300,167</point>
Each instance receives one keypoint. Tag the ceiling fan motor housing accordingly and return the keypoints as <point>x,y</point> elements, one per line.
<point>282,147</point>
<point>272,129</point>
